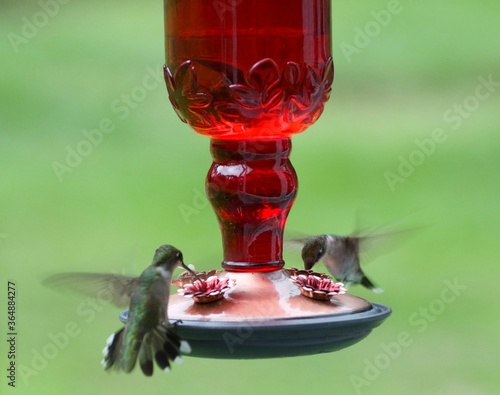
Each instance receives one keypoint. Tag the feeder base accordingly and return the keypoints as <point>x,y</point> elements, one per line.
<point>265,316</point>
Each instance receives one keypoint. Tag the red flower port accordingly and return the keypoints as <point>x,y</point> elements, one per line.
<point>207,289</point>
<point>316,285</point>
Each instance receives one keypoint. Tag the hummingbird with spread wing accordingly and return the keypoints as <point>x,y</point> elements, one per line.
<point>148,335</point>
<point>341,255</point>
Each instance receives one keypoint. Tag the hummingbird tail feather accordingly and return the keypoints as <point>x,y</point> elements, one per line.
<point>368,284</point>
<point>164,346</point>
<point>146,355</point>
<point>111,351</point>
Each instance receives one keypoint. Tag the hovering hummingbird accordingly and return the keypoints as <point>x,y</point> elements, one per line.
<point>340,254</point>
<point>148,334</point>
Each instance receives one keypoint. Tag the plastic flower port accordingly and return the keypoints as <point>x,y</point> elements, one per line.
<point>316,285</point>
<point>188,278</point>
<point>296,272</point>
<point>205,290</point>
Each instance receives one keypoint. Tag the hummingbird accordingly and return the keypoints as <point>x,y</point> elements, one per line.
<point>340,255</point>
<point>148,334</point>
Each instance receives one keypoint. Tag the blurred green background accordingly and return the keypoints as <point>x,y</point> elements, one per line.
<point>420,72</point>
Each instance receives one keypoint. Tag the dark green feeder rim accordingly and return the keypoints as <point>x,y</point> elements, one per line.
<point>278,338</point>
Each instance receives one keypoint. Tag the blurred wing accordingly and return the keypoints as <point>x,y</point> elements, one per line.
<point>295,244</point>
<point>113,287</point>
<point>378,242</point>
<point>293,251</point>
<point>294,241</point>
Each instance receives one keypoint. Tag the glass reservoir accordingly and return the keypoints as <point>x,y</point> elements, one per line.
<point>249,74</point>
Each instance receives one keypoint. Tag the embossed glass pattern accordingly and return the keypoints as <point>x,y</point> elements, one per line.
<point>248,68</point>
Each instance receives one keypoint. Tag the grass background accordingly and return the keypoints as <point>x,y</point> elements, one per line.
<point>124,199</point>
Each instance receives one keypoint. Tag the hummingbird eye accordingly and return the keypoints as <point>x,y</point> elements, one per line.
<point>321,252</point>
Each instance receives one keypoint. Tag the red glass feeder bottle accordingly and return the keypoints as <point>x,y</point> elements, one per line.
<point>250,74</point>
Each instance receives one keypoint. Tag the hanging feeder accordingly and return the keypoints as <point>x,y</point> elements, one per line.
<point>249,75</point>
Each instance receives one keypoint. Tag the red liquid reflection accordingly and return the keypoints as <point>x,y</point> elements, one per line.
<point>248,69</point>
<point>251,186</point>
<point>249,74</point>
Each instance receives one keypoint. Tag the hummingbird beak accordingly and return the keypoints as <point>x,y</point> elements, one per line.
<point>308,264</point>
<point>190,271</point>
